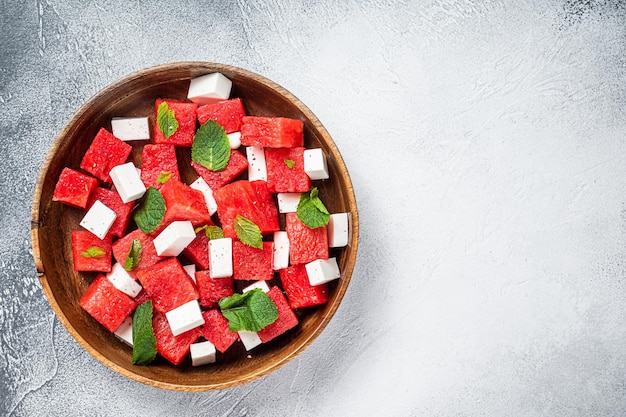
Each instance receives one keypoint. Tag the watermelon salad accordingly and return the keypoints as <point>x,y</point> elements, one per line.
<point>186,270</point>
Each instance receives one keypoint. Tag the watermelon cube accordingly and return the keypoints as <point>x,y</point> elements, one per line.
<point>237,164</point>
<point>105,152</point>
<point>272,132</point>
<point>226,113</point>
<point>122,210</point>
<point>216,330</point>
<point>105,303</point>
<point>91,253</point>
<point>167,284</point>
<point>74,188</point>
<point>185,114</point>
<point>148,256</point>
<point>158,164</point>
<point>251,263</point>
<point>300,293</point>
<point>173,348</point>
<point>305,244</point>
<point>285,170</point>
<point>250,199</point>
<point>286,317</point>
<point>183,203</point>
<point>212,290</point>
<point>198,251</point>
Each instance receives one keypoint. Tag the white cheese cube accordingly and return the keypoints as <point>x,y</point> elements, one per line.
<point>130,128</point>
<point>174,238</point>
<point>209,88</point>
<point>258,284</point>
<point>185,317</point>
<point>257,170</point>
<point>234,139</point>
<point>281,250</point>
<point>125,331</point>
<point>221,257</point>
<point>337,228</point>
<point>98,219</point>
<point>127,182</point>
<point>123,281</point>
<point>201,185</point>
<point>288,202</point>
<point>202,353</point>
<point>321,271</point>
<point>191,271</point>
<point>315,164</point>
<point>249,339</point>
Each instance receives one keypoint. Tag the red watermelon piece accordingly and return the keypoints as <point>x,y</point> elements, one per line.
<point>285,170</point>
<point>251,263</point>
<point>286,317</point>
<point>185,114</point>
<point>305,244</point>
<point>74,188</point>
<point>82,240</point>
<point>250,199</point>
<point>105,152</point>
<point>226,113</point>
<point>148,257</point>
<point>212,290</point>
<point>173,348</point>
<point>198,251</point>
<point>112,200</point>
<point>216,330</point>
<point>167,284</point>
<point>105,303</point>
<point>142,297</point>
<point>300,293</point>
<point>237,164</point>
<point>157,159</point>
<point>183,203</point>
<point>272,132</point>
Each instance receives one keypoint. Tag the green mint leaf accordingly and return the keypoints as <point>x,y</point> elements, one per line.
<point>151,210</point>
<point>144,341</point>
<point>93,252</point>
<point>212,232</point>
<point>311,211</point>
<point>289,162</point>
<point>134,255</point>
<point>248,232</point>
<point>166,120</point>
<point>164,176</point>
<point>252,310</point>
<point>210,147</point>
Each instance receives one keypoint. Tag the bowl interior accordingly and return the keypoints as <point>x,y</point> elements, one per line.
<point>53,222</point>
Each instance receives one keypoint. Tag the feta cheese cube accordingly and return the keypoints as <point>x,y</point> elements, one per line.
<point>249,339</point>
<point>98,219</point>
<point>127,182</point>
<point>288,202</point>
<point>174,238</point>
<point>185,317</point>
<point>281,250</point>
<point>202,353</point>
<point>123,281</point>
<point>258,284</point>
<point>234,139</point>
<point>337,227</point>
<point>201,185</point>
<point>209,88</point>
<point>125,331</point>
<point>130,128</point>
<point>257,170</point>
<point>191,271</point>
<point>315,164</point>
<point>321,271</point>
<point>221,257</point>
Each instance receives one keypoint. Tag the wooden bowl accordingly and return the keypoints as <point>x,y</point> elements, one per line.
<point>53,222</point>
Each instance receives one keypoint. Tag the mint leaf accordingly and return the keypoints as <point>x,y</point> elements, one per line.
<point>134,255</point>
<point>166,120</point>
<point>212,232</point>
<point>311,211</point>
<point>144,341</point>
<point>151,210</point>
<point>211,147</point>
<point>164,176</point>
<point>289,162</point>
<point>248,232</point>
<point>93,252</point>
<point>252,310</point>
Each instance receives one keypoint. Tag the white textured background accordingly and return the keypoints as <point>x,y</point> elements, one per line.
<point>487,146</point>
